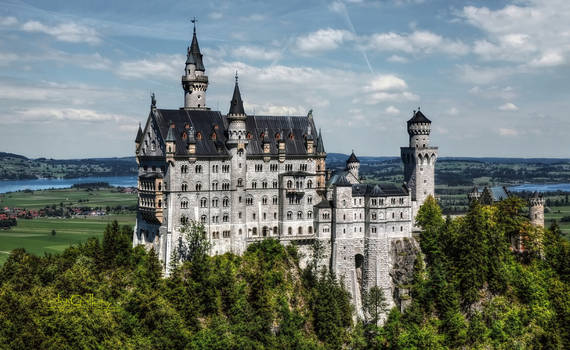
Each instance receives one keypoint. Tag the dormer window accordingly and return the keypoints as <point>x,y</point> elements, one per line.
<point>277,136</point>
<point>199,135</point>
<point>184,135</point>
<point>249,136</point>
<point>291,136</point>
<point>213,137</point>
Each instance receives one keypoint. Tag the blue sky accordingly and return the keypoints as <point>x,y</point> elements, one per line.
<point>75,76</point>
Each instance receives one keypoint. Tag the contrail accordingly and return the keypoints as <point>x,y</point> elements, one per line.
<point>344,11</point>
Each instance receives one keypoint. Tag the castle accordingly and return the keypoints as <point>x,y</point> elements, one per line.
<point>251,177</point>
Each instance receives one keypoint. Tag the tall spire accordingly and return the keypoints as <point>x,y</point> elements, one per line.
<point>194,80</point>
<point>320,145</point>
<point>138,139</point>
<point>236,105</point>
<point>195,50</point>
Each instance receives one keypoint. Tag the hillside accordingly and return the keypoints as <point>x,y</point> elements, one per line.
<point>17,167</point>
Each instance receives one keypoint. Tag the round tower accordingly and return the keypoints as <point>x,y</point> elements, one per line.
<point>419,128</point>
<point>536,209</point>
<point>236,118</point>
<point>353,166</point>
<point>194,80</point>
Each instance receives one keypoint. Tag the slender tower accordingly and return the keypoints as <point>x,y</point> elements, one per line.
<point>536,209</point>
<point>194,80</point>
<point>419,160</point>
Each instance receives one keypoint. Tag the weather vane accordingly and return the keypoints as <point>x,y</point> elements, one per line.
<point>194,20</point>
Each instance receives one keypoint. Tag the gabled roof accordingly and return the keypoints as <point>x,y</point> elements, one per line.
<point>352,158</point>
<point>342,181</point>
<point>236,104</point>
<point>379,190</point>
<point>418,117</point>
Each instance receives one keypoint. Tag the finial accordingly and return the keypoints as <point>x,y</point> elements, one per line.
<point>194,20</point>
<point>236,76</point>
<point>418,108</point>
<point>152,100</point>
<point>310,114</point>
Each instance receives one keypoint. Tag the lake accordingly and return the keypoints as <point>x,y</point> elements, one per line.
<point>541,188</point>
<point>42,184</point>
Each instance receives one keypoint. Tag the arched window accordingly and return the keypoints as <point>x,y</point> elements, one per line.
<point>275,230</point>
<point>310,228</point>
<point>239,182</point>
<point>160,203</point>
<point>198,186</point>
<point>254,184</point>
<point>289,184</point>
<point>264,184</point>
<point>264,200</point>
<point>198,169</point>
<point>254,231</point>
<point>300,230</point>
<point>299,215</point>
<point>203,202</point>
<point>309,214</point>
<point>249,200</point>
<point>290,230</point>
<point>309,184</point>
<point>289,215</point>
<point>203,219</point>
<point>184,187</point>
<point>226,202</point>
<point>275,200</point>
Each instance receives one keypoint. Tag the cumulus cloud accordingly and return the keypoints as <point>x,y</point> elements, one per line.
<point>8,21</point>
<point>418,41</point>
<point>158,67</point>
<point>54,115</point>
<point>256,53</point>
<point>385,83</point>
<point>323,39</point>
<point>533,31</point>
<point>392,110</point>
<point>397,59</point>
<point>387,87</point>
<point>67,32</point>
<point>508,107</point>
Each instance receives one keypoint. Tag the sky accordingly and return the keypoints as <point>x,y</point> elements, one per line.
<point>493,76</point>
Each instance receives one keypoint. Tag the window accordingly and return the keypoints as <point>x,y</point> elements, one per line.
<point>183,220</point>
<point>203,202</point>
<point>215,235</point>
<point>373,216</point>
<point>299,215</point>
<point>184,169</point>
<point>310,230</point>
<point>275,215</point>
<point>198,186</point>
<point>374,201</point>
<point>309,184</point>
<point>254,184</point>
<point>226,234</point>
<point>249,200</point>
<point>215,219</point>
<point>239,182</point>
<point>225,168</point>
<point>303,167</point>
<point>264,184</point>
<point>215,203</point>
<point>275,200</point>
<point>290,231</point>
<point>275,230</point>
<point>225,186</point>
<point>203,219</point>
<point>289,215</point>
<point>392,215</point>
<point>215,185</point>
<point>159,203</point>
<point>184,187</point>
<point>198,169</point>
<point>289,184</point>
<point>288,167</point>
<point>214,168</point>
<point>309,214</point>
<point>273,167</point>
<point>184,204</point>
<point>297,200</point>
<point>258,168</point>
<point>226,202</point>
<point>373,229</point>
<point>264,200</point>
<point>274,184</point>
<point>401,228</point>
<point>393,201</point>
<point>226,217</point>
<point>239,215</point>
<point>254,231</point>
<point>401,215</point>
<point>291,199</point>
<point>402,200</point>
<point>310,200</point>
<point>300,230</point>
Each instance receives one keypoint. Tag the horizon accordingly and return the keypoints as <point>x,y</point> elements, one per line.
<point>76,77</point>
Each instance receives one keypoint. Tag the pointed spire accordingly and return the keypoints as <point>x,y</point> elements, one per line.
<point>352,158</point>
<point>236,105</point>
<point>195,51</point>
<point>138,139</point>
<point>170,136</point>
<point>320,145</point>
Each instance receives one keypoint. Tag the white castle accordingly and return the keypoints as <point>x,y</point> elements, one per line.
<point>252,177</point>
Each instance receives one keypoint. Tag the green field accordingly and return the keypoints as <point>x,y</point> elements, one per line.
<point>69,197</point>
<point>556,213</point>
<point>35,235</point>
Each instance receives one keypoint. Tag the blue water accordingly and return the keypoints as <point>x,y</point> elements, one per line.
<point>42,184</point>
<point>541,188</point>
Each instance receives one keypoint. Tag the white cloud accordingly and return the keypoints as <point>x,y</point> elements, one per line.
<point>51,114</point>
<point>256,53</point>
<point>392,110</point>
<point>67,32</point>
<point>8,21</point>
<point>509,107</point>
<point>534,31</point>
<point>323,39</point>
<point>272,109</point>
<point>418,41</point>
<point>397,59</point>
<point>508,132</point>
<point>386,83</point>
<point>216,15</point>
<point>483,75</point>
<point>159,67</point>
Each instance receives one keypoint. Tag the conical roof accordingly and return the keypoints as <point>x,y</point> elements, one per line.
<point>138,139</point>
<point>418,117</point>
<point>352,158</point>
<point>170,136</point>
<point>196,56</point>
<point>236,105</point>
<point>320,144</point>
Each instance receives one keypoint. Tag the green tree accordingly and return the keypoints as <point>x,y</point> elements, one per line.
<point>53,232</point>
<point>195,245</point>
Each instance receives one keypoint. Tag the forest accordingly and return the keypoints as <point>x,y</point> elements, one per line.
<point>470,290</point>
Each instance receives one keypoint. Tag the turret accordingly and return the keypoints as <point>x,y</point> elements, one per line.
<point>138,139</point>
<point>194,80</point>
<point>321,165</point>
<point>536,209</point>
<point>170,143</point>
<point>473,195</point>
<point>353,166</point>
<point>236,118</point>
<point>419,128</point>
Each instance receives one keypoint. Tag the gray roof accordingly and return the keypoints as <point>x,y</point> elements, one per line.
<point>324,204</point>
<point>291,129</point>
<point>352,158</point>
<point>379,190</point>
<point>170,136</point>
<point>138,139</point>
<point>195,53</point>
<point>418,117</point>
<point>342,181</point>
<point>236,104</point>
<point>320,144</point>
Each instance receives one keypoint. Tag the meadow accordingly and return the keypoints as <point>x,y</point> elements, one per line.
<point>35,235</point>
<point>556,213</point>
<point>69,197</point>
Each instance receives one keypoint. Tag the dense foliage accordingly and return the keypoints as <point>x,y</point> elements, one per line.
<point>470,291</point>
